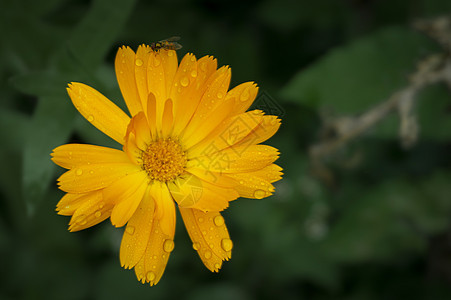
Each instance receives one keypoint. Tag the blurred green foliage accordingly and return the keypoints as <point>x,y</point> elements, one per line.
<point>382,232</point>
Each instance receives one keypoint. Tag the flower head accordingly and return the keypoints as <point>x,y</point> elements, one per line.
<point>190,143</point>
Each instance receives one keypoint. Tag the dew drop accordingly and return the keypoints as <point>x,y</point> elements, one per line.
<point>227,244</point>
<point>184,81</point>
<point>211,228</point>
<point>150,276</point>
<point>204,232</point>
<point>219,221</point>
<point>97,214</point>
<point>139,62</point>
<point>193,58</point>
<point>219,95</point>
<point>217,266</point>
<point>101,205</point>
<point>194,73</point>
<point>79,172</point>
<point>201,220</point>
<point>207,255</point>
<point>90,118</point>
<point>130,230</point>
<point>168,246</point>
<point>170,53</point>
<point>156,61</point>
<point>245,95</point>
<point>241,181</point>
<point>154,257</point>
<point>196,246</point>
<point>259,194</point>
<point>91,172</point>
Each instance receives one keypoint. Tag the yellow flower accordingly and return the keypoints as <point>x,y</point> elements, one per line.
<point>190,141</point>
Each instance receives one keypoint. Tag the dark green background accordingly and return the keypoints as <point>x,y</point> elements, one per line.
<point>382,231</point>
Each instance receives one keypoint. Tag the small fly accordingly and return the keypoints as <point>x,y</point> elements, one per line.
<point>168,44</point>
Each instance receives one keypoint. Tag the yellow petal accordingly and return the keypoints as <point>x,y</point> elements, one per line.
<point>183,91</point>
<point>142,132</point>
<point>165,210</point>
<point>126,194</point>
<point>265,129</point>
<point>125,73</point>
<point>152,115</point>
<point>92,211</point>
<point>214,178</point>
<point>236,159</point>
<point>211,99</point>
<point>194,135</point>
<point>167,121</point>
<point>69,203</point>
<point>97,109</point>
<point>137,232</point>
<point>156,80</point>
<point>170,64</point>
<point>243,96</point>
<point>141,62</point>
<point>151,266</point>
<point>191,192</point>
<point>72,155</point>
<point>257,184</point>
<point>231,132</point>
<point>89,178</point>
<point>209,235</point>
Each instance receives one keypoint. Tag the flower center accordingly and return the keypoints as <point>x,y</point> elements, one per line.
<point>164,160</point>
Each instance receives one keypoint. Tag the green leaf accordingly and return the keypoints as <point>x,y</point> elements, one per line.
<point>353,78</point>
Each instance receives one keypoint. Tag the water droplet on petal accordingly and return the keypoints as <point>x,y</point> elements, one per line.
<point>241,181</point>
<point>139,62</point>
<point>217,266</point>
<point>219,221</point>
<point>259,194</point>
<point>201,220</point>
<point>245,95</point>
<point>130,229</point>
<point>193,58</point>
<point>168,246</point>
<point>219,95</point>
<point>194,73</point>
<point>207,255</point>
<point>154,257</point>
<point>156,61</point>
<point>227,244</point>
<point>170,53</point>
<point>184,81</point>
<point>90,118</point>
<point>150,276</point>
<point>79,172</point>
<point>204,232</point>
<point>97,214</point>
<point>196,246</point>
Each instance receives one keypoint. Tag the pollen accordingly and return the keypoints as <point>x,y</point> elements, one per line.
<point>164,160</point>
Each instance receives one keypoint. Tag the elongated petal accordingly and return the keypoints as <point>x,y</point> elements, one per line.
<point>265,129</point>
<point>137,233</point>
<point>97,109</point>
<point>89,178</point>
<point>165,211</point>
<point>236,159</point>
<point>231,132</point>
<point>215,178</point>
<point>151,266</point>
<point>125,73</point>
<point>69,204</point>
<point>211,99</point>
<point>73,155</point>
<point>191,192</point>
<point>243,96</point>
<point>209,235</point>
<point>141,62</point>
<point>92,211</point>
<point>126,194</point>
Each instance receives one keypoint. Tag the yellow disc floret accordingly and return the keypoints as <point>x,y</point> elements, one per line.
<point>164,160</point>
